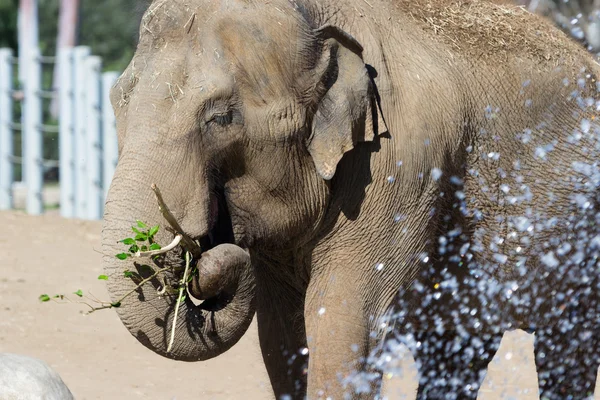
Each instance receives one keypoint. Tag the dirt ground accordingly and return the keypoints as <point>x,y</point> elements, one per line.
<point>98,359</point>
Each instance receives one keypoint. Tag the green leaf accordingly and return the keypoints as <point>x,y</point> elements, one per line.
<point>133,228</point>
<point>155,246</point>
<point>153,231</point>
<point>79,293</point>
<point>134,248</point>
<point>140,224</point>
<point>122,256</point>
<point>44,297</point>
<point>128,274</point>
<point>144,248</point>
<point>182,298</point>
<point>103,277</point>
<point>128,241</point>
<point>141,237</point>
<point>116,305</point>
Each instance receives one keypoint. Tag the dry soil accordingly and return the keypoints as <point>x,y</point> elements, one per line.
<point>98,359</point>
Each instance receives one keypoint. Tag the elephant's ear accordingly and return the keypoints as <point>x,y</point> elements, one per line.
<point>348,111</point>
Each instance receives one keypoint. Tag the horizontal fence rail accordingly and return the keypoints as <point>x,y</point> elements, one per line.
<point>87,140</point>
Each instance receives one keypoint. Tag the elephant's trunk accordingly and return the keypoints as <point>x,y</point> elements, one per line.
<point>224,278</point>
<point>219,272</point>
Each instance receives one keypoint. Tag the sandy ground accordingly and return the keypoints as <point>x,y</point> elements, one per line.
<point>98,359</point>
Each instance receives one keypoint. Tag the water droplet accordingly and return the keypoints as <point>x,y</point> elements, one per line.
<point>493,155</point>
<point>550,260</point>
<point>379,266</point>
<point>540,153</point>
<point>399,217</point>
<point>436,174</point>
<point>500,258</point>
<point>585,125</point>
<point>321,310</point>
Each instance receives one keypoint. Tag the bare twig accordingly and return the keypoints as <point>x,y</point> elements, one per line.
<point>188,243</point>
<point>181,289</point>
<point>118,302</point>
<point>164,250</point>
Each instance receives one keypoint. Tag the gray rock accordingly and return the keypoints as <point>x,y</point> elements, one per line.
<point>26,378</point>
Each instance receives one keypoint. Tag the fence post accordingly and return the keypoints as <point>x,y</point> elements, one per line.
<point>79,55</point>
<point>6,133</point>
<point>109,133</point>
<point>32,134</point>
<point>93,66</point>
<point>66,133</point>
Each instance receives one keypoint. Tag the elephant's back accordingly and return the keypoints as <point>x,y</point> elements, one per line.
<point>490,31</point>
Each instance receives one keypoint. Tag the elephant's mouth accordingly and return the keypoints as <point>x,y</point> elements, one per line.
<point>210,288</point>
<point>222,229</point>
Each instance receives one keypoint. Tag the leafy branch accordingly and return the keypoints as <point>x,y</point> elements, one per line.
<point>143,245</point>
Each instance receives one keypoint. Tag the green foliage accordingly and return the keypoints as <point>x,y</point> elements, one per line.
<point>109,27</point>
<point>8,23</point>
<point>142,241</point>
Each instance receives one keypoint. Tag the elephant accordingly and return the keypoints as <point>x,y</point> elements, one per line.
<point>357,173</point>
<point>26,378</point>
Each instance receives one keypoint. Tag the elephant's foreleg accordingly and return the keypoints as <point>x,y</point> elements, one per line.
<point>567,363</point>
<point>452,366</point>
<point>338,337</point>
<point>283,343</point>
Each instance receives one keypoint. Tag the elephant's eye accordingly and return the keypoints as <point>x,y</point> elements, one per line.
<point>222,119</point>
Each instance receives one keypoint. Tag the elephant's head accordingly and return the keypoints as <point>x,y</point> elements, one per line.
<point>240,113</point>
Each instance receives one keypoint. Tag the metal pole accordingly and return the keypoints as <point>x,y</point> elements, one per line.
<point>66,134</point>
<point>67,30</point>
<point>109,132</point>
<point>79,56</point>
<point>6,133</point>
<point>28,33</point>
<point>93,67</point>
<point>28,40</point>
<point>32,135</point>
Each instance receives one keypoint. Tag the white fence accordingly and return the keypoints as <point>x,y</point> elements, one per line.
<point>86,131</point>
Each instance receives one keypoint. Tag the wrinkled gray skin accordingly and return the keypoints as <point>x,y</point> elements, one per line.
<point>292,116</point>
<point>26,378</point>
